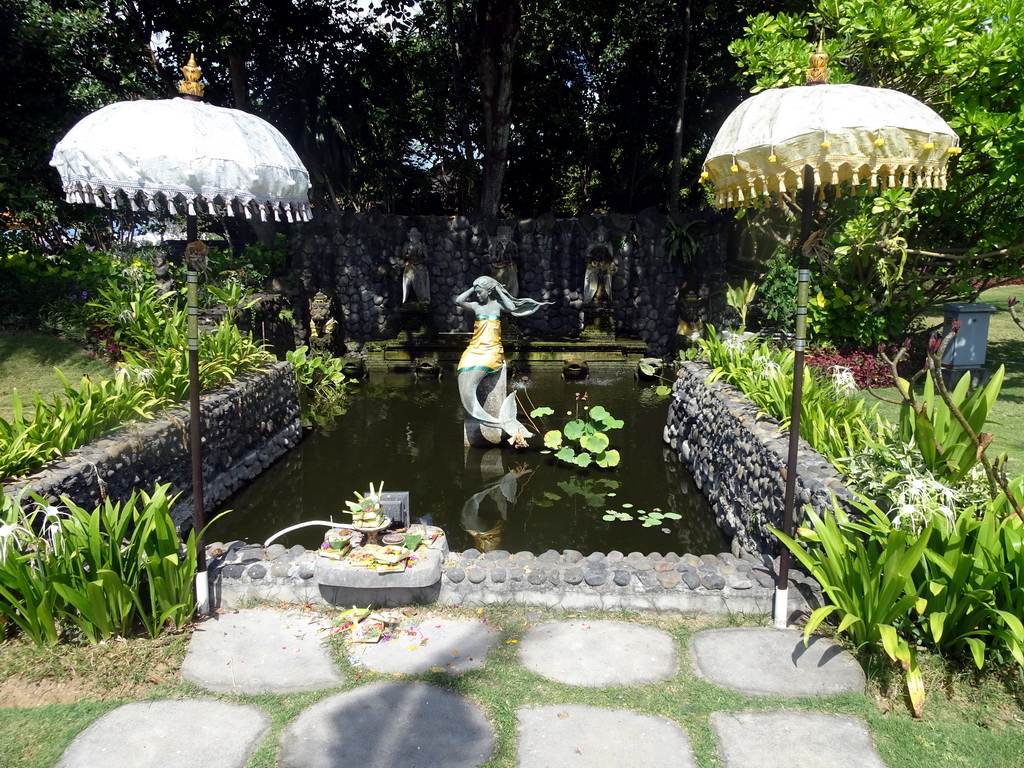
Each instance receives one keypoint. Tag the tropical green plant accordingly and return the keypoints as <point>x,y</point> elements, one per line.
<point>96,571</point>
<point>867,579</point>
<point>835,425</point>
<point>776,292</point>
<point>583,440</point>
<point>739,298</point>
<point>323,386</point>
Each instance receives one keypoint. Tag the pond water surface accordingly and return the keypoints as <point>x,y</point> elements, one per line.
<point>407,433</point>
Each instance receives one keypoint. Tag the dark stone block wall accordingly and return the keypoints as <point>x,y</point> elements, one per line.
<point>246,427</point>
<point>738,460</point>
<point>356,259</point>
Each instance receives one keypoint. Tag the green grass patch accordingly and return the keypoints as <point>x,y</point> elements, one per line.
<point>969,719</point>
<point>27,361</point>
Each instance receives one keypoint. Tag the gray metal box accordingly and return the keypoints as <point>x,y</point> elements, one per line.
<point>967,349</point>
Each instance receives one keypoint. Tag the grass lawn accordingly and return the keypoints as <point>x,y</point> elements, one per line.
<point>1005,347</point>
<point>967,721</point>
<point>27,361</point>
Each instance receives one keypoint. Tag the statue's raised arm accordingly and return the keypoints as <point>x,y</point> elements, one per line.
<point>484,357</point>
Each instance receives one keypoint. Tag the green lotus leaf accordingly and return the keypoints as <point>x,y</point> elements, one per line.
<point>583,460</point>
<point>566,454</point>
<point>608,459</point>
<point>595,443</point>
<point>575,429</point>
<point>536,413</point>
<point>599,413</point>
<point>553,439</point>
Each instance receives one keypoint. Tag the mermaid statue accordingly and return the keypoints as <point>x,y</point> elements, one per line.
<point>482,365</point>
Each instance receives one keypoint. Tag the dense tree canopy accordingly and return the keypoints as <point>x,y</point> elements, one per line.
<point>891,256</point>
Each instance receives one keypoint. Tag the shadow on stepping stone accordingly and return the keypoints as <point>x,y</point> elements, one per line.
<point>599,654</point>
<point>564,735</point>
<point>438,644</point>
<point>169,734</point>
<point>260,651</point>
<point>385,725</point>
<point>786,738</point>
<point>764,661</point>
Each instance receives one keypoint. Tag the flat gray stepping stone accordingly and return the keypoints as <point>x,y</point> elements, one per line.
<point>784,739</point>
<point>260,651</point>
<point>594,737</point>
<point>386,725</point>
<point>186,733</point>
<point>763,661</point>
<point>598,654</point>
<point>436,644</point>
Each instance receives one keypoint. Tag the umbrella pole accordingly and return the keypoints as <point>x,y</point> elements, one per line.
<point>198,508</point>
<point>781,613</point>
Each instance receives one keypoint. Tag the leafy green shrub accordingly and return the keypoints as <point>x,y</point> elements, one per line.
<point>776,294</point>
<point>95,571</point>
<point>323,386</point>
<point>152,328</point>
<point>835,425</point>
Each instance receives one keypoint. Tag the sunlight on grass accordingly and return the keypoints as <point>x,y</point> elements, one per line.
<point>27,361</point>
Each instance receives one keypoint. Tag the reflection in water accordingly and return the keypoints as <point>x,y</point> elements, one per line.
<point>407,432</point>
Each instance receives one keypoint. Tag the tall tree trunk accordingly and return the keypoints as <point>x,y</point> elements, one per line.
<point>457,39</point>
<point>236,66</point>
<point>677,138</point>
<point>498,26</point>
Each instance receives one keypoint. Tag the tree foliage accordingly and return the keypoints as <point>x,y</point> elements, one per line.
<point>892,255</point>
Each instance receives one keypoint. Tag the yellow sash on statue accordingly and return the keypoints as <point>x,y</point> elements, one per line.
<point>484,351</point>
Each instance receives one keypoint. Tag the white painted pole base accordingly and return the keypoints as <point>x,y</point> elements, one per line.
<point>202,593</point>
<point>781,608</point>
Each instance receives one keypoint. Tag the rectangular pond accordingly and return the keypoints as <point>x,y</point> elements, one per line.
<point>407,433</point>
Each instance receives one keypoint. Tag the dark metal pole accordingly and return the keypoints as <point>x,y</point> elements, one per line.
<point>781,612</point>
<point>198,509</point>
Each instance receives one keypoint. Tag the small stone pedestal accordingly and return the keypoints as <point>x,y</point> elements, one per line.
<point>344,584</point>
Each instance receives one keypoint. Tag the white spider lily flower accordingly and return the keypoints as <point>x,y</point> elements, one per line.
<point>843,380</point>
<point>12,537</point>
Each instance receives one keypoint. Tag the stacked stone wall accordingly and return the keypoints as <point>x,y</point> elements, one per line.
<point>737,457</point>
<point>356,259</point>
<point>246,427</point>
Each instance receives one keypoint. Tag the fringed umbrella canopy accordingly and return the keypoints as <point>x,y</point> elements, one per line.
<point>846,133</point>
<point>809,138</point>
<point>177,152</point>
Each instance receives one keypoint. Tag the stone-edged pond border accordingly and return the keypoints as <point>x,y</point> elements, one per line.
<point>737,457</point>
<point>241,574</point>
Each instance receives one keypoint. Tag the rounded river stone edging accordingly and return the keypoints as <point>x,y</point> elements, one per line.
<point>710,584</point>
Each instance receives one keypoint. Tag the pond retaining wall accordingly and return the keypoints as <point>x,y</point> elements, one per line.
<point>247,425</point>
<point>737,457</point>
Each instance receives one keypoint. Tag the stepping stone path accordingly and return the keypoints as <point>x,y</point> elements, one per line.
<point>785,739</point>
<point>260,651</point>
<point>387,724</point>
<point>439,645</point>
<point>597,654</point>
<point>383,725</point>
<point>572,735</point>
<point>774,662</point>
<point>191,733</point>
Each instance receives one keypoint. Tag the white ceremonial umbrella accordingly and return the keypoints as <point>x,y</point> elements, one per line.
<point>186,156</point>
<point>805,140</point>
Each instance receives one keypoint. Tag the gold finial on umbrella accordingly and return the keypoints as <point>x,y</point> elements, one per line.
<point>191,86</point>
<point>818,73</point>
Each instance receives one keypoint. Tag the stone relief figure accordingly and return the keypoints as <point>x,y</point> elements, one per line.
<point>484,358</point>
<point>597,282</point>
<point>415,278</point>
<point>321,323</point>
<point>504,255</point>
